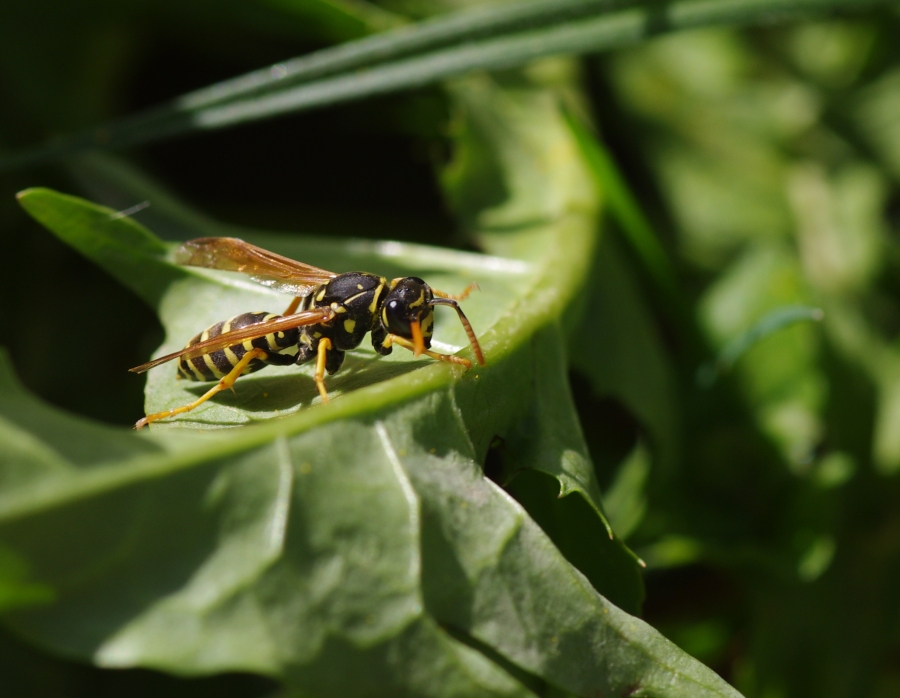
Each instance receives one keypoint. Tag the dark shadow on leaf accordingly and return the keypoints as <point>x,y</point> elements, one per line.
<point>267,393</point>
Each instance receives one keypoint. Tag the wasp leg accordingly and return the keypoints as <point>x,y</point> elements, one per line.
<point>459,296</point>
<point>223,384</point>
<point>292,308</point>
<point>322,356</point>
<point>406,344</point>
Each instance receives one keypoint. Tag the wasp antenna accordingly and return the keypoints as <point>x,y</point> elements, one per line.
<point>459,296</point>
<point>473,340</point>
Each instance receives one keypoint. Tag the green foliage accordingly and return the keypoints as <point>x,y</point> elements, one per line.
<point>430,530</point>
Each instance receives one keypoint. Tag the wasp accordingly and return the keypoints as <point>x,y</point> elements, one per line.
<point>329,316</point>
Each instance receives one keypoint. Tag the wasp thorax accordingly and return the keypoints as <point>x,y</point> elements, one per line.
<point>407,302</point>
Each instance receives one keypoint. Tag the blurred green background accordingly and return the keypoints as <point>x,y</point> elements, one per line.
<point>766,160</point>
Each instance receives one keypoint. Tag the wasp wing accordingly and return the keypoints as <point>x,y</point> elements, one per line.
<point>264,267</point>
<point>229,339</point>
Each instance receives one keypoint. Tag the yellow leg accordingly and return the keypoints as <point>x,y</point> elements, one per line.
<point>459,296</point>
<point>322,355</point>
<point>292,308</point>
<point>406,344</point>
<point>223,384</point>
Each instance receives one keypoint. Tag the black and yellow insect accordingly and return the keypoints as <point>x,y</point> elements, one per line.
<point>330,315</point>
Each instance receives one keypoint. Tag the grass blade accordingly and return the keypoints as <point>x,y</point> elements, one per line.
<point>334,76</point>
<point>768,324</point>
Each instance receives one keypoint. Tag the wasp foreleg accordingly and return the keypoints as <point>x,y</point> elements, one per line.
<point>406,344</point>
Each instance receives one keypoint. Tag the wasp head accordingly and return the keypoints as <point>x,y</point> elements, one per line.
<point>407,311</point>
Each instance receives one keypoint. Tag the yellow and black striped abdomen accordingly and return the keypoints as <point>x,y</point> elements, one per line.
<point>217,364</point>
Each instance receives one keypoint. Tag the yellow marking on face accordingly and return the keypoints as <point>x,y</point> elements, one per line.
<point>207,359</point>
<point>349,326</point>
<point>419,301</point>
<point>428,325</point>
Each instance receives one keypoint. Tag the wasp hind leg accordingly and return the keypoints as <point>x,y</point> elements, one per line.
<point>406,344</point>
<point>292,308</point>
<point>224,384</point>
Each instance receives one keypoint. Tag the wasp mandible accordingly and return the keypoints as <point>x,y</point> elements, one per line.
<point>329,315</point>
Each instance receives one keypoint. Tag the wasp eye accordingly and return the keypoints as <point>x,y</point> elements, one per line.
<point>395,316</point>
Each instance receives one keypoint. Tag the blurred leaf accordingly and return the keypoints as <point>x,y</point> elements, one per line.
<point>876,111</point>
<point>771,322</point>
<point>816,559</point>
<point>634,225</point>
<point>832,53</point>
<point>341,18</point>
<point>625,500</point>
<point>16,589</point>
<point>779,374</point>
<point>840,231</point>
<point>771,150</point>
<point>617,348</point>
<point>672,551</point>
<point>517,34</point>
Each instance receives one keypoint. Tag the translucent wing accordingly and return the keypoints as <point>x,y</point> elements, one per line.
<point>229,339</point>
<point>264,267</point>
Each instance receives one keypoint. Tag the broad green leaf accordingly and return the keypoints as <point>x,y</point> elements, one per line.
<point>267,560</point>
<point>354,548</point>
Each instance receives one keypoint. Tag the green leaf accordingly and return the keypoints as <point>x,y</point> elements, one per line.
<point>353,548</point>
<point>267,560</point>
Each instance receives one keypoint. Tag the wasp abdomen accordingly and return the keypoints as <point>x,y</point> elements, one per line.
<point>217,364</point>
